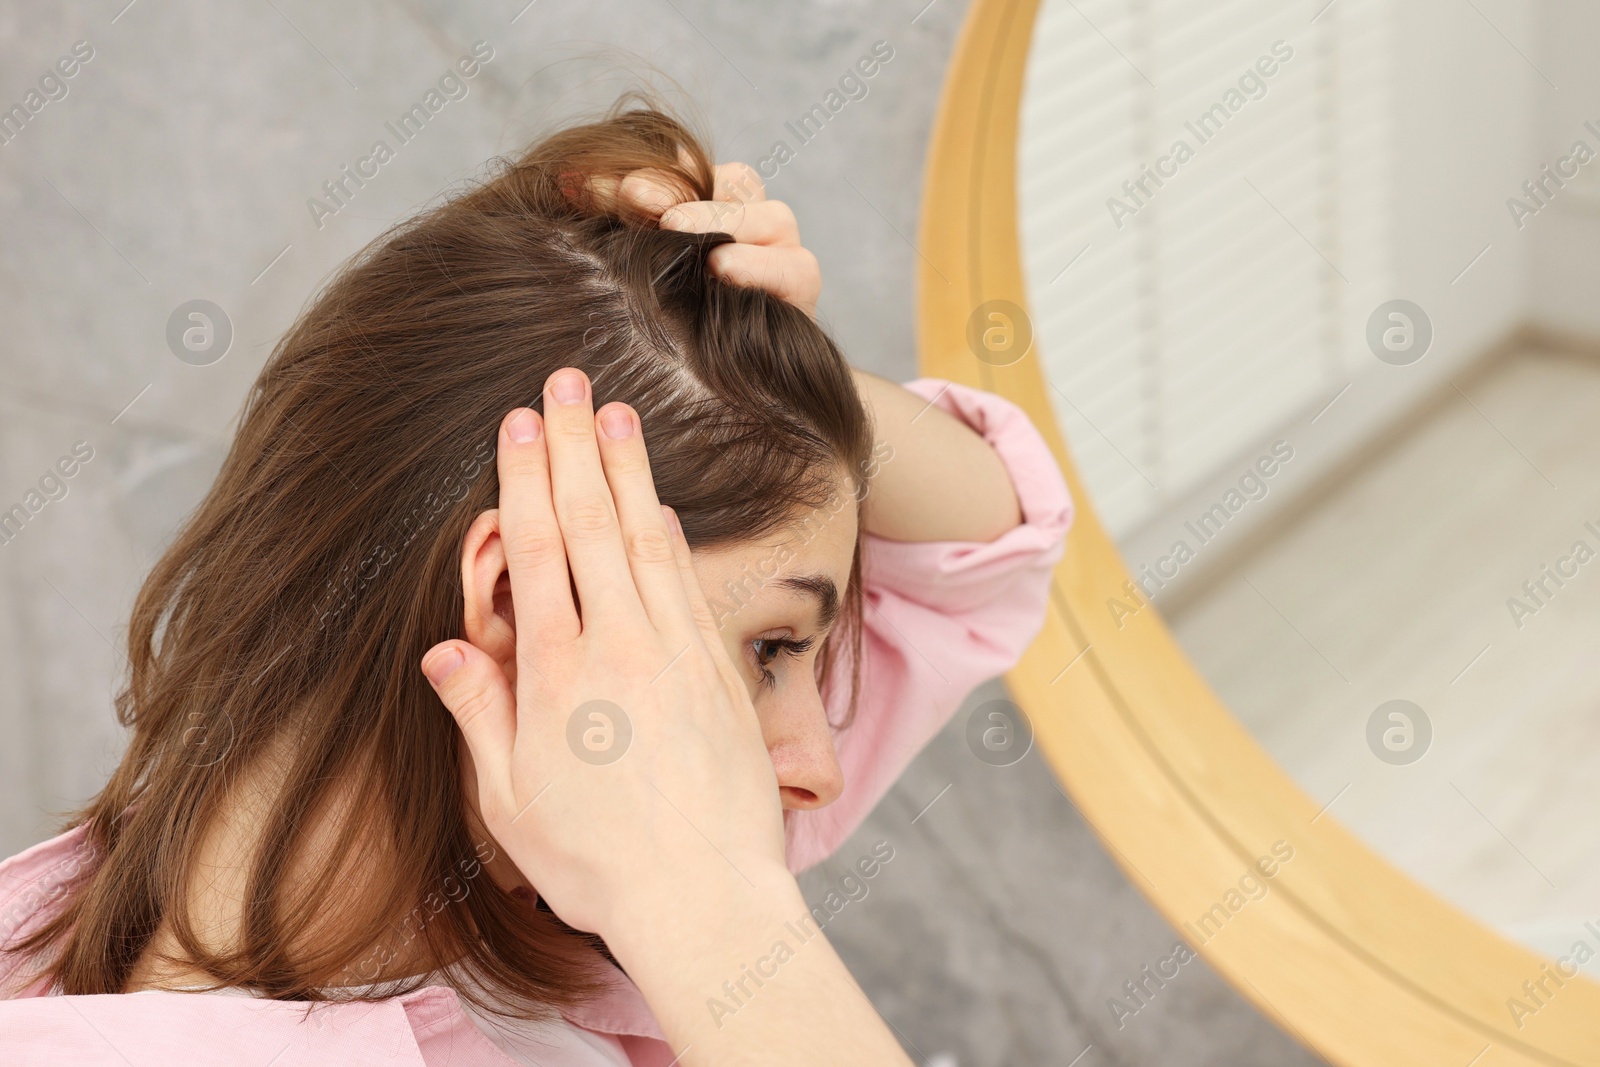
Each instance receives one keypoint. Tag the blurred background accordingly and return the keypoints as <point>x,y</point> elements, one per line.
<point>1217,326</point>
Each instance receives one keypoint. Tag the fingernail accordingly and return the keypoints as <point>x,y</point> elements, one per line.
<point>441,665</point>
<point>672,519</point>
<point>617,422</point>
<point>523,427</point>
<point>567,387</point>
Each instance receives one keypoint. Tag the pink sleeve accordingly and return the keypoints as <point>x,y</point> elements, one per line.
<point>939,618</point>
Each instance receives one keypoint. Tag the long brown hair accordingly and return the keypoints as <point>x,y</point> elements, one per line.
<point>297,601</point>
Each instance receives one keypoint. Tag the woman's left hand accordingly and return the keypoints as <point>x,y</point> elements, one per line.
<point>766,253</point>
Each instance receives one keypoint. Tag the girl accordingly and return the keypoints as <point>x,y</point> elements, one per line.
<point>656,716</point>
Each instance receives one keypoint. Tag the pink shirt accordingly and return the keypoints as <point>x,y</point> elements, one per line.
<point>940,617</point>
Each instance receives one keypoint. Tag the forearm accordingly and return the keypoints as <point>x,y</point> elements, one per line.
<point>740,974</point>
<point>939,481</point>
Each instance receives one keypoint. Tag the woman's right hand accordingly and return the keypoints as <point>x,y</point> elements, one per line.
<point>664,832</point>
<point>626,774</point>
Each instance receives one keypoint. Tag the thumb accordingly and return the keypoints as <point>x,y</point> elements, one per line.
<point>475,691</point>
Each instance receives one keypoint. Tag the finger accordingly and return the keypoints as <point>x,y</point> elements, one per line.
<point>649,190</point>
<point>601,189</point>
<point>645,534</point>
<point>768,222</point>
<point>737,181</point>
<point>705,621</point>
<point>584,506</point>
<point>536,558</point>
<point>704,216</point>
<point>788,272</point>
<point>685,158</point>
<point>474,690</point>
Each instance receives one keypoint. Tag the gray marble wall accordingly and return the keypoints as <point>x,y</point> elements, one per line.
<point>176,163</point>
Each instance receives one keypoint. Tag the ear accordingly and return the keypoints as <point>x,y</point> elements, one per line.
<point>490,622</point>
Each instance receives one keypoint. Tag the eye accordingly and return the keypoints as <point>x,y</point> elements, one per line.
<point>766,651</point>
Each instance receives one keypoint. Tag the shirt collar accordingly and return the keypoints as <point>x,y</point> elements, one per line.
<point>619,1009</point>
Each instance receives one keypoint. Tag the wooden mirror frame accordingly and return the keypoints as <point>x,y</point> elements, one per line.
<point>1356,960</point>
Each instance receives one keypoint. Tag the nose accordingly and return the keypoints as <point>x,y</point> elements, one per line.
<point>800,743</point>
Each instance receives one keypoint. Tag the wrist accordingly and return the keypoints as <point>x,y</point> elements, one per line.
<point>747,946</point>
<point>710,918</point>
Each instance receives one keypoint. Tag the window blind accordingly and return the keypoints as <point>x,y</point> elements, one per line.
<point>1205,226</point>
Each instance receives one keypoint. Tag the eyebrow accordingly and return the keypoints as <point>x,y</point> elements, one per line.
<point>821,588</point>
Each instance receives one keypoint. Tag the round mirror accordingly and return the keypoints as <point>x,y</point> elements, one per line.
<point>1300,292</point>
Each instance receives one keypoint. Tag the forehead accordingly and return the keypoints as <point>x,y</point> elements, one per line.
<point>819,542</point>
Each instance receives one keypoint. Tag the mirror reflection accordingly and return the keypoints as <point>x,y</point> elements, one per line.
<point>1311,290</point>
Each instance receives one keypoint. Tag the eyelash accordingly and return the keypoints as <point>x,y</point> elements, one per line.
<point>785,647</point>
